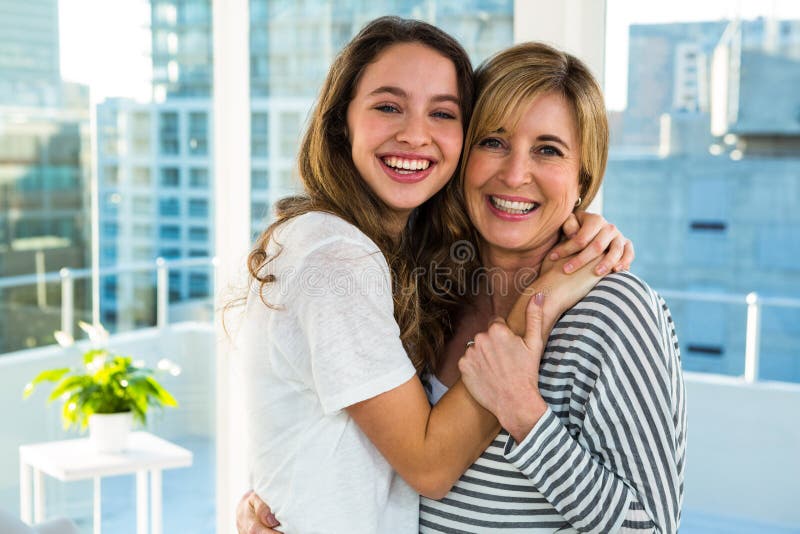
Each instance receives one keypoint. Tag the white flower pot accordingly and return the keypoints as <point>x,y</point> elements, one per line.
<point>108,432</point>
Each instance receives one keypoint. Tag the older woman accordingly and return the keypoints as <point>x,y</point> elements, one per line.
<point>595,429</point>
<point>595,432</point>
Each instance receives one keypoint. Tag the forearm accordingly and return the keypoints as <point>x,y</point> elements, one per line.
<point>561,291</point>
<point>459,431</point>
<point>430,447</point>
<point>590,496</point>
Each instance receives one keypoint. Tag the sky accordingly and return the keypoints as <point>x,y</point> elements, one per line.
<point>105,43</point>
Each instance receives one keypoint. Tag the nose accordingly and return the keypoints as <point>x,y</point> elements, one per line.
<point>517,169</point>
<point>414,131</point>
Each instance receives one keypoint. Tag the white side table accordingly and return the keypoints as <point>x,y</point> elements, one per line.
<point>76,459</point>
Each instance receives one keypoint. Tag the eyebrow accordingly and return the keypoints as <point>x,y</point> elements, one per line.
<point>545,137</point>
<point>554,139</point>
<point>398,92</point>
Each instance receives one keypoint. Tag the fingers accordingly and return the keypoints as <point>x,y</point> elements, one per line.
<point>534,317</point>
<point>595,249</point>
<point>627,257</point>
<point>262,511</point>
<point>612,257</point>
<point>571,225</point>
<point>592,227</point>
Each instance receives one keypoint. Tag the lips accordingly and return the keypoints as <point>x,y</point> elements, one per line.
<point>406,168</point>
<point>511,208</point>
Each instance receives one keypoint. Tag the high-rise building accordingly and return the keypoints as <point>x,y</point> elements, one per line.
<point>721,193</point>
<point>30,73</point>
<point>44,161</point>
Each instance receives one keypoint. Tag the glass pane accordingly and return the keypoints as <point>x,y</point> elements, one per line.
<point>144,67</point>
<point>704,165</point>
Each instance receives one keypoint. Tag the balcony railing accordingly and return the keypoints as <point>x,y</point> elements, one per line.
<point>754,305</point>
<point>753,302</point>
<point>68,277</point>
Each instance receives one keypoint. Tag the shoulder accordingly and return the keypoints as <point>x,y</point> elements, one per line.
<point>323,240</point>
<point>622,318</point>
<point>317,229</point>
<point>622,297</point>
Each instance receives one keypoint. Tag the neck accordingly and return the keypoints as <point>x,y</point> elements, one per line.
<point>510,271</point>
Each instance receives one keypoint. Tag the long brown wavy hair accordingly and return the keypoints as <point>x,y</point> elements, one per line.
<point>332,184</point>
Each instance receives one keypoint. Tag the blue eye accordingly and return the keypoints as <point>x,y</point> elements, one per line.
<point>490,142</point>
<point>550,150</point>
<point>444,115</point>
<point>387,108</point>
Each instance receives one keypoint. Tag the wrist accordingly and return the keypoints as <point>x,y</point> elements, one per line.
<point>519,420</point>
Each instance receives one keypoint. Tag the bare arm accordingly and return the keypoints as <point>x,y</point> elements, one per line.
<point>429,447</point>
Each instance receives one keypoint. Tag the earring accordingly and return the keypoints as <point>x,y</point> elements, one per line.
<point>578,202</point>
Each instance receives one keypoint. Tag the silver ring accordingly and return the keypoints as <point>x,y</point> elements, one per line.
<point>470,343</point>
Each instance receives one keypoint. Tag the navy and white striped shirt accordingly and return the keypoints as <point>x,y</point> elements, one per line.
<point>608,455</point>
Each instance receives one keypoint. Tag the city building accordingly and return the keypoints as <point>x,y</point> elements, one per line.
<point>44,180</point>
<point>719,188</point>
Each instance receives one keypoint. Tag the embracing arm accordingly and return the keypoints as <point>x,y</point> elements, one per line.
<point>430,447</point>
<point>345,311</point>
<point>624,469</point>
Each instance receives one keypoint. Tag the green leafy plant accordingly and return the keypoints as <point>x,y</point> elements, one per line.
<point>106,382</point>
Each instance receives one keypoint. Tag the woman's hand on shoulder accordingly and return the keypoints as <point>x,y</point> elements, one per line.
<point>253,516</point>
<point>590,236</point>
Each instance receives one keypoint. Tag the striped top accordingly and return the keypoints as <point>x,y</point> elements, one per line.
<point>608,455</point>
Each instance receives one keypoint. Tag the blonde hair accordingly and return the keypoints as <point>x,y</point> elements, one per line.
<point>504,85</point>
<point>511,79</point>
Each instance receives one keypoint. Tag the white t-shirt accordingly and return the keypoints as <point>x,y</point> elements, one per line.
<point>334,342</point>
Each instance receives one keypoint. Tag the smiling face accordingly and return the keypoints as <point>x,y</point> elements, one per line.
<point>520,185</point>
<point>405,126</point>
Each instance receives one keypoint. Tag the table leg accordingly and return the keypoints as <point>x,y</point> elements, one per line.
<point>155,500</point>
<point>25,502</point>
<point>38,496</point>
<point>141,502</point>
<point>97,511</point>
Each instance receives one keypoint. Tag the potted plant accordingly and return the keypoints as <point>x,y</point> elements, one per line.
<point>107,393</point>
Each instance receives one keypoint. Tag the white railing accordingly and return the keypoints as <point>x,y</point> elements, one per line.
<point>754,304</point>
<point>67,277</point>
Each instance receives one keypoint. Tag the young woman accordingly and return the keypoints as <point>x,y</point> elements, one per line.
<point>333,333</point>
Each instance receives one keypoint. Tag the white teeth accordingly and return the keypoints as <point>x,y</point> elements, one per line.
<point>512,206</point>
<point>407,164</point>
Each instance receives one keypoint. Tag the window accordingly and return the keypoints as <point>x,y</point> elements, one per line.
<point>197,233</point>
<point>170,253</point>
<point>259,135</point>
<point>696,137</point>
<point>111,175</point>
<point>259,180</point>
<point>169,207</point>
<point>142,205</point>
<point>198,207</point>
<point>198,177</point>
<point>170,177</point>
<point>169,133</point>
<point>290,124</point>
<point>198,133</point>
<point>170,231</point>
<point>142,230</point>
<point>198,285</point>
<point>110,229</point>
<point>141,176</point>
